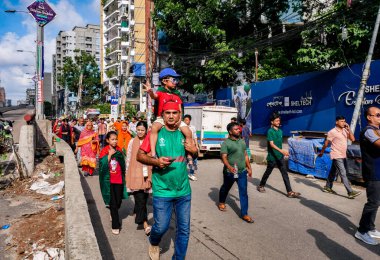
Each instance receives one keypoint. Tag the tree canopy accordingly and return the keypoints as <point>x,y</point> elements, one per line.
<point>92,90</point>
<point>211,40</point>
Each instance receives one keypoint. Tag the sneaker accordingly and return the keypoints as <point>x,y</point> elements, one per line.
<point>374,233</point>
<point>154,252</point>
<point>366,238</point>
<point>353,194</point>
<point>192,177</point>
<point>116,231</point>
<point>328,190</point>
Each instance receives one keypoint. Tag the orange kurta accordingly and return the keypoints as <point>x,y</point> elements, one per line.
<point>123,139</point>
<point>118,126</point>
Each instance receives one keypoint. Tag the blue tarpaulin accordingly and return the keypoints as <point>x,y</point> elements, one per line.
<point>303,157</point>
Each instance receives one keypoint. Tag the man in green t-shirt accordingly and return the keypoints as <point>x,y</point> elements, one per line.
<point>236,167</point>
<point>276,156</point>
<point>170,183</point>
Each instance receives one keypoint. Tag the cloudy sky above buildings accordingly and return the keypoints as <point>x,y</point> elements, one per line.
<point>18,32</point>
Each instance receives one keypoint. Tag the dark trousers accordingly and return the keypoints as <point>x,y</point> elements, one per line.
<point>141,211</point>
<point>281,166</point>
<point>228,181</point>
<point>367,221</point>
<point>116,192</point>
<point>102,140</point>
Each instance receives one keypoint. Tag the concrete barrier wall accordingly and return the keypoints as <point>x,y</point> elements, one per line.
<point>80,237</point>
<point>27,146</point>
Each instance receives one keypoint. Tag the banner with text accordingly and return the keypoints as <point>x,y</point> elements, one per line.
<point>310,101</point>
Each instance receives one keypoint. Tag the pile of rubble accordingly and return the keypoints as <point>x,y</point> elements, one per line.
<point>35,227</point>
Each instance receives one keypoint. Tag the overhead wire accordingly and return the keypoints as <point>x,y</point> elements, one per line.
<point>273,41</point>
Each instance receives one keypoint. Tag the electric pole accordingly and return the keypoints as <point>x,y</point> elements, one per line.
<point>365,76</point>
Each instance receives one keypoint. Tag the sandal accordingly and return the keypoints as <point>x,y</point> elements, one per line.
<point>248,219</point>
<point>222,207</point>
<point>261,189</point>
<point>147,230</point>
<point>292,194</point>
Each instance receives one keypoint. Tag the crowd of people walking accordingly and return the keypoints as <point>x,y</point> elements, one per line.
<point>136,160</point>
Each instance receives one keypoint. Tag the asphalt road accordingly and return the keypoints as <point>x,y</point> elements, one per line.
<point>316,226</point>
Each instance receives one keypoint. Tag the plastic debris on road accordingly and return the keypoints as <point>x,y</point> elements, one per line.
<point>5,226</point>
<point>52,253</point>
<point>44,187</point>
<point>39,185</point>
<point>44,176</point>
<point>39,255</point>
<point>57,197</point>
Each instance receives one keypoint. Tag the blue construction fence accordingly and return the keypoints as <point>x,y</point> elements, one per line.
<point>309,101</point>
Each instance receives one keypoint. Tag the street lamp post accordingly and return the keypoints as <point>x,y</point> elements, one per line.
<point>43,14</point>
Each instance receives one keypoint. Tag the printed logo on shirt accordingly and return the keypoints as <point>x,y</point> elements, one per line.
<point>161,142</point>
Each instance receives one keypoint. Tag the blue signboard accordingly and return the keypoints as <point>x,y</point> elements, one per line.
<point>114,100</point>
<point>41,12</point>
<point>139,69</point>
<point>311,101</point>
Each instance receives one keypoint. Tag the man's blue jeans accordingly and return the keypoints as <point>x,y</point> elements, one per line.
<point>228,181</point>
<point>162,213</point>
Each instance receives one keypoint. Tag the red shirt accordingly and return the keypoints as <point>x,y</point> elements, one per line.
<point>163,98</point>
<point>115,175</point>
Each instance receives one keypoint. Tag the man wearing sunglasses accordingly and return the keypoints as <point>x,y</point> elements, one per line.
<point>370,150</point>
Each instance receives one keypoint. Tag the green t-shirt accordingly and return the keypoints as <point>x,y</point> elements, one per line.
<point>275,136</point>
<point>235,150</point>
<point>172,181</point>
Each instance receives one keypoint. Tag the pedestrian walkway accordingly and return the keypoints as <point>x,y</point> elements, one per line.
<point>317,226</point>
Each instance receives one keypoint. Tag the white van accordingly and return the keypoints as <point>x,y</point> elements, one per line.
<point>211,124</point>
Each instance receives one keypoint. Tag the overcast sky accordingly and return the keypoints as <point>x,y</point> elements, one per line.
<point>18,31</point>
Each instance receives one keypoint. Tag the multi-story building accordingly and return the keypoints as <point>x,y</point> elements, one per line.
<point>30,96</point>
<point>124,55</point>
<point>69,44</point>
<point>2,97</point>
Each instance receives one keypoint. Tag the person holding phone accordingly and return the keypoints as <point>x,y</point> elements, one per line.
<point>338,137</point>
<point>170,183</point>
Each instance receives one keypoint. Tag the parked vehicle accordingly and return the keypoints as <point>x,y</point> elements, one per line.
<point>211,124</point>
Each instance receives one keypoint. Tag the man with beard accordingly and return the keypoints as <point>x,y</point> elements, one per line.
<point>236,167</point>
<point>170,183</point>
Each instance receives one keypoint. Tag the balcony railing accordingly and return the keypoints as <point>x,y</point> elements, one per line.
<point>116,38</point>
<point>111,15</point>
<point>115,25</point>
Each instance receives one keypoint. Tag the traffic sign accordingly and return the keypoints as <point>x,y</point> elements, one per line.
<point>41,12</point>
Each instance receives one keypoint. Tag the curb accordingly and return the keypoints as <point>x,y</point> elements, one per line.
<point>80,239</point>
